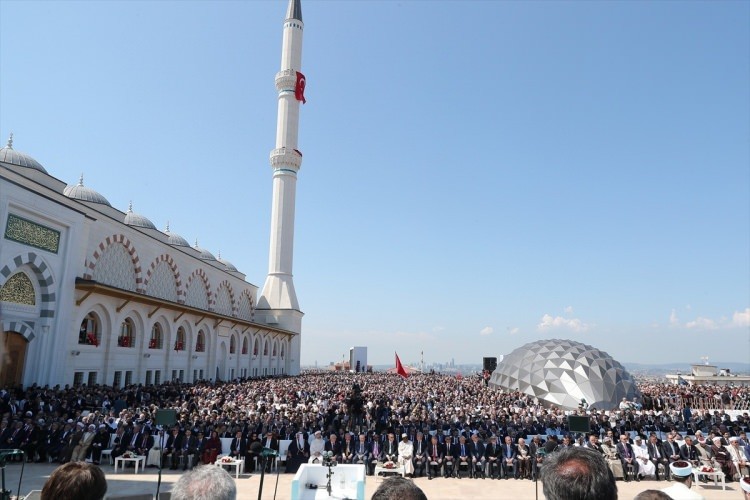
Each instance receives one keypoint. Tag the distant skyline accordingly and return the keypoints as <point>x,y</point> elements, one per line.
<point>477,175</point>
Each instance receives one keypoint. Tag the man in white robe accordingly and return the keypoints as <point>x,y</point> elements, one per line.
<point>645,466</point>
<point>317,446</point>
<point>405,454</point>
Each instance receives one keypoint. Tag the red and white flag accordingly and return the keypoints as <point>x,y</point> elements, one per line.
<point>400,368</point>
<point>299,88</point>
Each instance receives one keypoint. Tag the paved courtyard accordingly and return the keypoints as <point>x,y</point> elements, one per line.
<point>128,482</point>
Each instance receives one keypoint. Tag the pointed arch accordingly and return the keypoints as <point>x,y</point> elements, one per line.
<point>245,305</point>
<point>92,263</point>
<point>43,276</point>
<point>225,303</point>
<point>199,298</point>
<point>163,294</point>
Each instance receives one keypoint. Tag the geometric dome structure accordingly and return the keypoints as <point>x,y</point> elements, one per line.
<point>564,372</point>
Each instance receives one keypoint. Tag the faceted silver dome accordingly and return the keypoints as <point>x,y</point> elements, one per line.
<point>564,372</point>
<point>10,155</point>
<point>175,239</point>
<point>136,220</point>
<point>83,193</point>
<point>205,254</point>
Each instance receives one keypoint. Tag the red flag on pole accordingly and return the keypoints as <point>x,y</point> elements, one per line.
<point>299,88</point>
<point>400,368</point>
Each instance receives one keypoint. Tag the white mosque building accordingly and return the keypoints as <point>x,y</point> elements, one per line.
<point>93,295</point>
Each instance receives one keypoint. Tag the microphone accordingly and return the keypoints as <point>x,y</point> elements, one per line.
<point>268,452</point>
<point>256,448</point>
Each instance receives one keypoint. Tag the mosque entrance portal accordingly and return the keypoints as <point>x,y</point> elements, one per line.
<point>14,347</point>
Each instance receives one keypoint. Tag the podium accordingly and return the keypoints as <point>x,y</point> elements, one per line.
<point>348,481</point>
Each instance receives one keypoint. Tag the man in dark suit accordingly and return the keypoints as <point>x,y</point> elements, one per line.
<point>272,443</point>
<point>347,449</point>
<point>509,457</point>
<point>477,451</point>
<point>334,446</point>
<point>656,455</point>
<point>376,453</point>
<point>172,448</point>
<point>451,457</point>
<point>537,452</point>
<point>627,457</point>
<point>362,451</point>
<point>420,454</point>
<point>390,449</point>
<point>238,447</point>
<point>689,452</point>
<point>435,455</point>
<point>671,449</point>
<point>493,455</point>
<point>188,450</point>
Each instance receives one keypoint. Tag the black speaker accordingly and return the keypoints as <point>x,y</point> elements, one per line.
<point>166,417</point>
<point>489,364</point>
<point>579,424</point>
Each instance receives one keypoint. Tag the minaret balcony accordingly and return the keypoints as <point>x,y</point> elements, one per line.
<point>286,80</point>
<point>286,158</point>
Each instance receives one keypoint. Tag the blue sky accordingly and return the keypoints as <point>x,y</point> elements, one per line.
<point>476,175</point>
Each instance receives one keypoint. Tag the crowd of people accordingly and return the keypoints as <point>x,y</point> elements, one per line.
<point>434,424</point>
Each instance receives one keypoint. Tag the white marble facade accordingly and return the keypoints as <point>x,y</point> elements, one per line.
<point>111,302</point>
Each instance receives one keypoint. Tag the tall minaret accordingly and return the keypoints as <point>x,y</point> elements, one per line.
<point>278,301</point>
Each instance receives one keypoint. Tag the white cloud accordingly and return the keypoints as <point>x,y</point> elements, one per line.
<point>513,331</point>
<point>673,320</point>
<point>568,310</point>
<point>486,330</point>
<point>741,318</point>
<point>702,323</point>
<point>572,324</point>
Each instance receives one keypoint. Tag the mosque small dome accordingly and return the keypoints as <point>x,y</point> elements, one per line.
<point>205,254</point>
<point>10,155</point>
<point>83,193</point>
<point>175,239</point>
<point>136,220</point>
<point>230,267</point>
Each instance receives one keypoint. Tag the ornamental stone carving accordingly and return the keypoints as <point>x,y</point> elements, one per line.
<point>115,268</point>
<point>18,289</point>
<point>162,283</point>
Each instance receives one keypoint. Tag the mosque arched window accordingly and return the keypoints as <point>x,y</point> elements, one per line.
<point>157,337</point>
<point>265,348</point>
<point>256,347</point>
<point>200,344</point>
<point>90,332</point>
<point>244,345</point>
<point>179,342</point>
<point>127,334</point>
<point>232,345</point>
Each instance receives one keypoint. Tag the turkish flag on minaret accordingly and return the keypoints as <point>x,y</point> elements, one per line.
<point>299,88</point>
<point>400,368</point>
